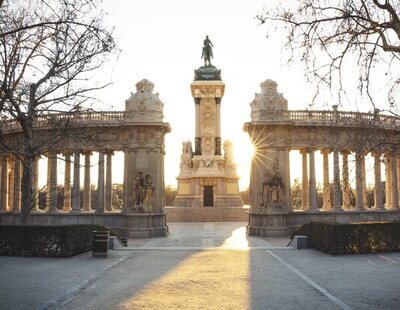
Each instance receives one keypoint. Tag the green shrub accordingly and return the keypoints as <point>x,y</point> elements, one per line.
<point>49,241</point>
<point>352,238</point>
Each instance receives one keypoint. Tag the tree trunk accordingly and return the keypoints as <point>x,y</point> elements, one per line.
<point>26,188</point>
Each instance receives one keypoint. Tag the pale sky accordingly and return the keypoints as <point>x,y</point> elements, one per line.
<point>161,40</point>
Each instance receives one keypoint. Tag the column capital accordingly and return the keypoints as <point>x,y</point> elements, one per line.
<point>67,153</point>
<point>325,151</point>
<point>345,152</point>
<point>108,152</point>
<point>87,152</point>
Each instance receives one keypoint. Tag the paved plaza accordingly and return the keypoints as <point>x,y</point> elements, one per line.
<point>203,266</point>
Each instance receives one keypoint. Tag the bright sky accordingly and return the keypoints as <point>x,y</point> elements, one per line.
<point>162,41</point>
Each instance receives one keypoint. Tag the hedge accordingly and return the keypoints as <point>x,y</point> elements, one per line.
<point>48,241</point>
<point>352,238</point>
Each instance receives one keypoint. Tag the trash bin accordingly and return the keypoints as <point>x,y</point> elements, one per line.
<point>100,243</point>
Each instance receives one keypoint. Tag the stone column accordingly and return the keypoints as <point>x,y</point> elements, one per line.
<point>313,185</point>
<point>53,183</point>
<point>4,184</point>
<point>100,184</point>
<point>394,185</point>
<point>304,181</point>
<point>129,178</point>
<point>67,183</point>
<point>378,198</point>
<point>76,196</point>
<point>345,179</point>
<point>197,146</point>
<point>17,185</point>
<point>388,183</point>
<point>108,194</point>
<point>35,184</point>
<point>326,186</point>
<point>359,181</point>
<point>364,183</point>
<point>48,182</point>
<point>337,199</point>
<point>11,183</point>
<point>87,195</point>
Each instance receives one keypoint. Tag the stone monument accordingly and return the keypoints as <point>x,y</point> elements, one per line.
<point>207,177</point>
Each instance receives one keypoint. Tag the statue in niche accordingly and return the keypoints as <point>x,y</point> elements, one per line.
<point>228,154</point>
<point>272,188</point>
<point>186,157</point>
<point>207,53</point>
<point>144,188</point>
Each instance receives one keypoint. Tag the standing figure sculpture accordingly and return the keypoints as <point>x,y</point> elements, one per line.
<point>207,51</point>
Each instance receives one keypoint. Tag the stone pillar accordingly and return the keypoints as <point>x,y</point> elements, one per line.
<point>326,205</point>
<point>48,182</point>
<point>108,194</point>
<point>129,178</point>
<point>345,180</point>
<point>197,145</point>
<point>87,195</point>
<point>313,185</point>
<point>35,184</point>
<point>359,181</point>
<point>67,183</point>
<point>76,196</point>
<point>17,185</point>
<point>304,181</point>
<point>388,183</point>
<point>364,183</point>
<point>100,184</point>
<point>11,183</point>
<point>394,185</point>
<point>53,183</point>
<point>4,184</point>
<point>378,198</point>
<point>337,199</point>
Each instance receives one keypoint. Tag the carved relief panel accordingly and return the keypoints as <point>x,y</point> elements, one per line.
<point>208,124</point>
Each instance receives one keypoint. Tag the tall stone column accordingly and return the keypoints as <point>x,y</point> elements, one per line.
<point>11,183</point>
<point>364,183</point>
<point>67,183</point>
<point>197,146</point>
<point>326,185</point>
<point>100,184</point>
<point>313,184</point>
<point>53,183</point>
<point>378,197</point>
<point>388,183</point>
<point>337,199</point>
<point>87,195</point>
<point>4,184</point>
<point>76,195</point>
<point>345,180</point>
<point>129,178</point>
<point>108,194</point>
<point>35,184</point>
<point>304,181</point>
<point>17,186</point>
<point>359,181</point>
<point>394,185</point>
<point>48,182</point>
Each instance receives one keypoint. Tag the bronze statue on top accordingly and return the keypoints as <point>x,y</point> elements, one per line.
<point>207,53</point>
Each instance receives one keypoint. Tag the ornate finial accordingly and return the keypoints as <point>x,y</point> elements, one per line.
<point>144,86</point>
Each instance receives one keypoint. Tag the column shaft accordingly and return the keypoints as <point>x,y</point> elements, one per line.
<point>108,195</point>
<point>395,193</point>
<point>364,183</point>
<point>53,182</point>
<point>337,199</point>
<point>67,183</point>
<point>35,184</point>
<point>4,184</point>
<point>304,181</point>
<point>313,185</point>
<point>359,181</point>
<point>326,186</point>
<point>87,195</point>
<point>388,183</point>
<point>345,179</point>
<point>378,197</point>
<point>48,199</point>
<point>100,185</point>
<point>76,195</point>
<point>17,186</point>
<point>11,183</point>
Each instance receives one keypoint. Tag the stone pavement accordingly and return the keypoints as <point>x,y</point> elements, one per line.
<point>203,266</point>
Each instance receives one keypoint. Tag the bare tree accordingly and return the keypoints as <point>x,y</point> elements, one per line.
<point>48,52</point>
<point>326,35</point>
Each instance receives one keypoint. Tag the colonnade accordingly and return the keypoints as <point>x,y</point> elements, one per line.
<point>341,187</point>
<point>11,176</point>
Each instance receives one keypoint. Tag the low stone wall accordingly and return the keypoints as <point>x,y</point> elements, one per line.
<point>138,225</point>
<point>276,224</point>
<point>207,214</point>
